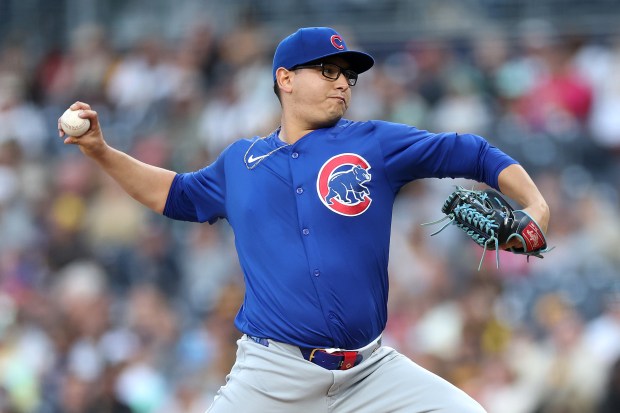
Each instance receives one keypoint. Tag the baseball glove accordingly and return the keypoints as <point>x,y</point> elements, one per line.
<point>487,218</point>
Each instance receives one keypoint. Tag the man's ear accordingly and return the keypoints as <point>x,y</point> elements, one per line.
<point>284,78</point>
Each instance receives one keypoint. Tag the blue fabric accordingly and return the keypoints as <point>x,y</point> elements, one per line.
<point>314,43</point>
<point>312,221</point>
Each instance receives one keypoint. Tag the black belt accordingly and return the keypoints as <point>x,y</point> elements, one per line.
<point>332,359</point>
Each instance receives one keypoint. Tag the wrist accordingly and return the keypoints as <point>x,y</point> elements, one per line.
<point>100,153</point>
<point>539,211</point>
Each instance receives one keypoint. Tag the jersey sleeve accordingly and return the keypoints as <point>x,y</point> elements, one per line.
<point>198,196</point>
<point>412,153</point>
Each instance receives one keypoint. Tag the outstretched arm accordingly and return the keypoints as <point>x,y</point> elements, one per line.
<point>515,182</point>
<point>146,183</point>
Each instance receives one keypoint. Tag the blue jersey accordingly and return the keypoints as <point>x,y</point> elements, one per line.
<point>312,220</point>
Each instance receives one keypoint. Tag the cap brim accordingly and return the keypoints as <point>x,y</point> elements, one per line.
<point>359,62</point>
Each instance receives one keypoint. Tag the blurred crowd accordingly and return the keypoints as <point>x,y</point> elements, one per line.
<point>108,307</point>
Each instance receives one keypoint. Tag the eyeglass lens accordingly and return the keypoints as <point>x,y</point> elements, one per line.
<point>332,71</point>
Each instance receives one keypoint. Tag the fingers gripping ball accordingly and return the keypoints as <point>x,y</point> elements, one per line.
<point>72,124</point>
<point>488,219</point>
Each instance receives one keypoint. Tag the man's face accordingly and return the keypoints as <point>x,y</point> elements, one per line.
<point>318,100</point>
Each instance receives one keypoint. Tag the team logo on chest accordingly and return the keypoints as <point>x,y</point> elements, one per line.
<point>341,184</point>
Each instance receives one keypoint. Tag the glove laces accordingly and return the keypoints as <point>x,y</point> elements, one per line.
<point>481,229</point>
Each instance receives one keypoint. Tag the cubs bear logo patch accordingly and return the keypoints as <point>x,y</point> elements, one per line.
<point>341,184</point>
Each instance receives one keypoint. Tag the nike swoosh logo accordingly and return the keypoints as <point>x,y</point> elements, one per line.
<point>252,159</point>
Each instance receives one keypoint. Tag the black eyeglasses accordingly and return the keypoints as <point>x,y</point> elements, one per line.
<point>332,72</point>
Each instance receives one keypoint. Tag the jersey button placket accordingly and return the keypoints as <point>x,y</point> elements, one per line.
<point>305,231</point>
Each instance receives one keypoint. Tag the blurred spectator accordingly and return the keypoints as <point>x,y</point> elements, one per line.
<point>242,104</point>
<point>80,72</point>
<point>20,119</point>
<point>573,376</point>
<point>561,98</point>
<point>602,333</point>
<point>600,66</point>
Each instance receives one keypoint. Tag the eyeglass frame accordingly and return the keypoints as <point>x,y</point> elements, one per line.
<point>349,74</point>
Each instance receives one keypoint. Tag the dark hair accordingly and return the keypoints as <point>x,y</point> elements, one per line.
<point>610,401</point>
<point>276,90</point>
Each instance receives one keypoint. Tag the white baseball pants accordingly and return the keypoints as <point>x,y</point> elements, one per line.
<point>277,379</point>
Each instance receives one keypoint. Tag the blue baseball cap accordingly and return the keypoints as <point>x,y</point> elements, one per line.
<point>309,44</point>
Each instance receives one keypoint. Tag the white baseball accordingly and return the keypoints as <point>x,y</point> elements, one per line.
<point>72,124</point>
